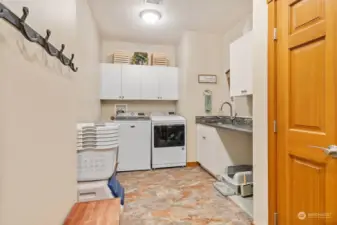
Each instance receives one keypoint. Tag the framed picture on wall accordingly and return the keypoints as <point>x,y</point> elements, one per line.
<point>207,78</point>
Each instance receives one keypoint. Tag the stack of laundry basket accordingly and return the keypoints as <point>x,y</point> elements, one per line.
<point>97,153</point>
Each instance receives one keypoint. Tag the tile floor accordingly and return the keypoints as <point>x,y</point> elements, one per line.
<point>179,196</point>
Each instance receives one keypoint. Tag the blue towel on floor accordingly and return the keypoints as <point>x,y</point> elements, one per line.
<point>116,189</point>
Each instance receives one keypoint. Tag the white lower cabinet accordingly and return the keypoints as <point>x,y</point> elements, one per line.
<point>218,148</point>
<point>208,148</point>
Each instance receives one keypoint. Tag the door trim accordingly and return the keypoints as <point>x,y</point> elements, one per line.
<point>272,112</point>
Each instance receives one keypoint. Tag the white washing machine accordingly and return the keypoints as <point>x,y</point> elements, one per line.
<point>135,141</point>
<point>168,141</point>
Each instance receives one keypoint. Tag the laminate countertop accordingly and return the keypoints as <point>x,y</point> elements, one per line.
<point>240,124</point>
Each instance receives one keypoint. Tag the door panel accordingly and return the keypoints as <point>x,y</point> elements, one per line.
<point>111,81</point>
<point>131,81</point>
<point>168,83</point>
<point>306,67</point>
<point>150,83</point>
<point>306,112</point>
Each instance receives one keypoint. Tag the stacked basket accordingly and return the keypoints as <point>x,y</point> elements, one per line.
<point>97,153</point>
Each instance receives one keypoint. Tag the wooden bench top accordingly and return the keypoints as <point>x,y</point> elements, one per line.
<point>105,212</point>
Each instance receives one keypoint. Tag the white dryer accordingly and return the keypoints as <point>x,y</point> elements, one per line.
<point>168,141</point>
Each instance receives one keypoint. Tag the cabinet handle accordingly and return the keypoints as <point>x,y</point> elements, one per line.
<point>132,126</point>
<point>204,137</point>
<point>243,91</point>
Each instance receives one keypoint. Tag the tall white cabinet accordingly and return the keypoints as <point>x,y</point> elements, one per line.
<point>241,66</point>
<point>133,82</point>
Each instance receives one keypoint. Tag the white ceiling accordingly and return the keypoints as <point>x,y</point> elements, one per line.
<point>119,19</point>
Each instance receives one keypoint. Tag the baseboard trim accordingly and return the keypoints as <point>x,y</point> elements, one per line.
<point>207,171</point>
<point>192,164</point>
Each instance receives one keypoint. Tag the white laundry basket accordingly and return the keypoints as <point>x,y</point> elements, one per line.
<point>97,147</point>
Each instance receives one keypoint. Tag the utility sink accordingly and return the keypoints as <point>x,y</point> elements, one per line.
<point>238,127</point>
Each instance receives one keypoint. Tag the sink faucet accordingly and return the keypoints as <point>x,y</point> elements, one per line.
<point>231,110</point>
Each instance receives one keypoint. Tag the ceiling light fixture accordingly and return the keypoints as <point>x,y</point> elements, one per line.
<point>150,16</point>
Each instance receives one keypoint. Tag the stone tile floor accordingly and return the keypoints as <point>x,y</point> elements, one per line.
<point>179,196</point>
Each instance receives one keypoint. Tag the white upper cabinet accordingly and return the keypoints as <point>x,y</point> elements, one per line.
<point>131,81</point>
<point>168,83</point>
<point>150,84</point>
<point>134,82</point>
<point>111,81</point>
<point>241,66</point>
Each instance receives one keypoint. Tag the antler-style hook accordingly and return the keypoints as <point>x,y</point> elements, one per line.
<point>25,14</point>
<point>47,45</point>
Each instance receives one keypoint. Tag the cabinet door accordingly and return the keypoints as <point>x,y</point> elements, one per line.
<point>111,81</point>
<point>150,83</point>
<point>131,81</point>
<point>168,83</point>
<point>201,145</point>
<point>241,66</point>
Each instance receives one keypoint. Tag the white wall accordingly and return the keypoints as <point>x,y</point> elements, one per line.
<point>108,107</point>
<point>109,47</point>
<point>87,84</point>
<point>260,109</point>
<point>200,53</point>
<point>40,105</point>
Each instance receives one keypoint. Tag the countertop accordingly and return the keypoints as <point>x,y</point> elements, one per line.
<point>104,212</point>
<point>240,124</point>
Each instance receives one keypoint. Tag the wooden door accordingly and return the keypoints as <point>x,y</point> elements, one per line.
<point>168,83</point>
<point>306,111</point>
<point>150,83</point>
<point>111,81</point>
<point>131,82</point>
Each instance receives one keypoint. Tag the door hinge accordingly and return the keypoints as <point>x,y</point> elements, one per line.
<point>275,126</point>
<point>276,218</point>
<point>275,34</point>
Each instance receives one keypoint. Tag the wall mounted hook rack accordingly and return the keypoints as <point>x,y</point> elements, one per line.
<point>31,35</point>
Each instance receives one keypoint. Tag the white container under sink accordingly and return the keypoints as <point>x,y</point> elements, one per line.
<point>238,180</point>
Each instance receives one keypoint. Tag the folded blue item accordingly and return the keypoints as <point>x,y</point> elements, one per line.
<point>116,188</point>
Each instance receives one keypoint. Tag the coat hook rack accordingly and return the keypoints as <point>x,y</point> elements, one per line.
<point>31,35</point>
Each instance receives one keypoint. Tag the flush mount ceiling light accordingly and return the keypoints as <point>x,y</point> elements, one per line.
<point>150,16</point>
